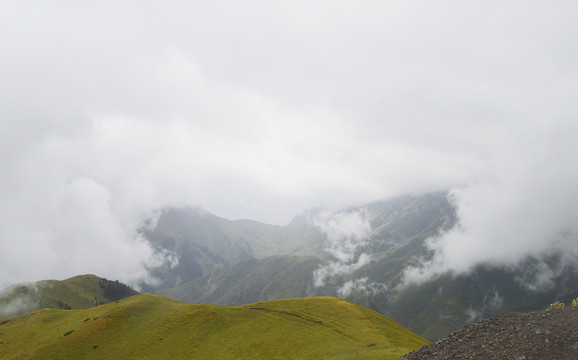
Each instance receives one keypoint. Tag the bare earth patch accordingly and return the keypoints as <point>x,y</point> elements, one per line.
<point>529,335</point>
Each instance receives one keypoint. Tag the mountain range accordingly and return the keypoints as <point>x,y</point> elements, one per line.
<point>358,254</point>
<point>328,284</point>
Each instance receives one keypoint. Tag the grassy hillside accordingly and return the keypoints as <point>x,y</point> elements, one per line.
<point>153,327</point>
<point>78,292</point>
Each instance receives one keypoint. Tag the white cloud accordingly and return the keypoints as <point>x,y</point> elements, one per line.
<point>346,232</point>
<point>333,271</point>
<point>18,300</point>
<point>491,304</point>
<point>521,207</point>
<point>260,110</point>
<point>362,285</point>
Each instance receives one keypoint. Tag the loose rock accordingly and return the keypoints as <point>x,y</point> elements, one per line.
<point>530,335</point>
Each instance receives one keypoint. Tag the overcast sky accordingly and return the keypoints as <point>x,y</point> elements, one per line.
<point>261,109</point>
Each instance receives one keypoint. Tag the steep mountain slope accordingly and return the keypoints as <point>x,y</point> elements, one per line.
<point>79,292</point>
<point>447,303</point>
<point>270,278</point>
<point>398,229</point>
<point>360,254</point>
<point>152,327</point>
<point>203,243</point>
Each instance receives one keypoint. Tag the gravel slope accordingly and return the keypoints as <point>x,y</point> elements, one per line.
<point>529,335</point>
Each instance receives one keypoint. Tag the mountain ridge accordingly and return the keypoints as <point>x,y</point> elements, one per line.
<point>366,269</point>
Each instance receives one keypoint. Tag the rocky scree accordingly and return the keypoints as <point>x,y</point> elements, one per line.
<point>529,335</point>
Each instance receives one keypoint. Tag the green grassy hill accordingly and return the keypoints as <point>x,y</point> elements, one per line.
<point>153,327</point>
<point>79,292</point>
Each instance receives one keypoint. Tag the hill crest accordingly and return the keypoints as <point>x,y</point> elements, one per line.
<point>148,326</point>
<point>78,292</point>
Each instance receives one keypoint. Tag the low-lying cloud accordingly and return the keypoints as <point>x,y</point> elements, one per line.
<point>346,233</point>
<point>70,227</point>
<point>334,271</point>
<point>521,209</point>
<point>491,304</point>
<point>260,110</point>
<point>361,285</point>
<point>19,299</point>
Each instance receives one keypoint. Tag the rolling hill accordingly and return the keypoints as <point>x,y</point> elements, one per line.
<point>153,327</point>
<point>79,292</point>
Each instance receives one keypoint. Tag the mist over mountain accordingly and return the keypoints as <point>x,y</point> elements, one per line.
<point>176,147</point>
<point>364,254</point>
<point>259,111</point>
<point>79,292</point>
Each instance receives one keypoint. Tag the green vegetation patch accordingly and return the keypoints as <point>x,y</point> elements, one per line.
<point>152,327</point>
